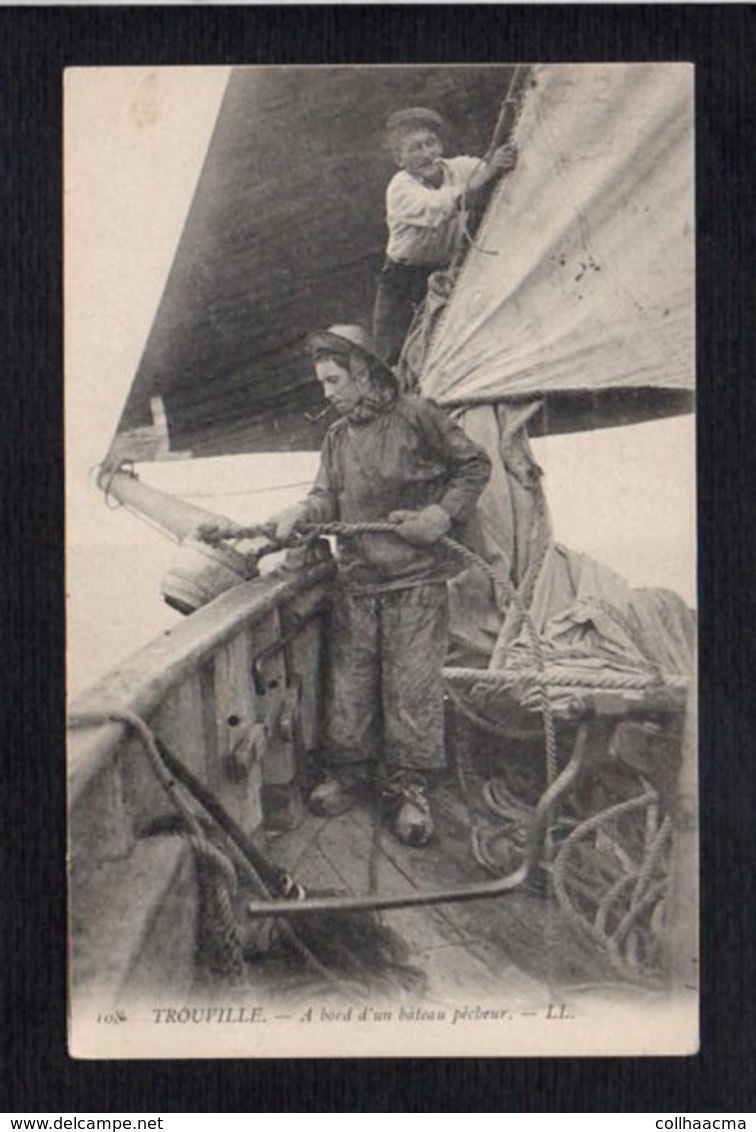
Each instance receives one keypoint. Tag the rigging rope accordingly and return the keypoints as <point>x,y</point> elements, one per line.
<point>245,491</point>
<point>219,881</point>
<point>156,752</point>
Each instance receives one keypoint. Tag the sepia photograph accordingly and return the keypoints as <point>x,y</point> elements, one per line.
<point>381,561</point>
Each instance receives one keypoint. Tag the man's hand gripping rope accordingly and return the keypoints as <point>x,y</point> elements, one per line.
<point>421,528</point>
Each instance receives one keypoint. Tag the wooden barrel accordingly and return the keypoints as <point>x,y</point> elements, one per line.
<point>200,572</point>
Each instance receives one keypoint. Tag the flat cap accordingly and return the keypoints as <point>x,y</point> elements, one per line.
<point>419,115</point>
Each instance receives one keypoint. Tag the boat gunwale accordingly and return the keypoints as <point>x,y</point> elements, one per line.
<point>141,682</point>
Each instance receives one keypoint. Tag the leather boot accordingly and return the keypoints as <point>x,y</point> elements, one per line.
<point>409,815</point>
<point>337,793</point>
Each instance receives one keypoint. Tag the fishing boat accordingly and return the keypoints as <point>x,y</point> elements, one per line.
<point>560,885</point>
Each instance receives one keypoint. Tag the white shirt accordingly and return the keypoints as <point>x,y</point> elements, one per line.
<point>425,223</point>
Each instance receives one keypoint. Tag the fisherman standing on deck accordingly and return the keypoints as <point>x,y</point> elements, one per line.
<point>425,210</point>
<point>400,459</point>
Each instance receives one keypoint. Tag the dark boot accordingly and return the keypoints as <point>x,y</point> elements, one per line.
<point>408,811</point>
<point>338,791</point>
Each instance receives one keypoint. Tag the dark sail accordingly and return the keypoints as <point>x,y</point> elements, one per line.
<point>285,233</point>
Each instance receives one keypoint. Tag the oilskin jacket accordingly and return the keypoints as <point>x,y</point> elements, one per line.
<point>407,456</point>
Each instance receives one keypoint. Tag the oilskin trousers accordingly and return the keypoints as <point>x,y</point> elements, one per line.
<point>386,702</point>
<point>400,290</point>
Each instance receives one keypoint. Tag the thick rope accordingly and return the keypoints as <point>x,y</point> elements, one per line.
<point>644,896</point>
<point>345,530</point>
<point>219,948</point>
<point>169,784</point>
<point>115,714</point>
<point>610,898</point>
<point>267,880</point>
<point>534,843</point>
<point>216,859</point>
<point>609,681</point>
<point>220,885</point>
<point>651,860</point>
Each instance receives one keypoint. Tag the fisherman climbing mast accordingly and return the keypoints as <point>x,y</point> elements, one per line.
<point>425,212</point>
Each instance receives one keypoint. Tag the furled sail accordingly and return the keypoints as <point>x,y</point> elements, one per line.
<point>580,285</point>
<point>573,309</point>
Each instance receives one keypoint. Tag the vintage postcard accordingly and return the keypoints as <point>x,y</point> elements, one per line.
<point>381,561</point>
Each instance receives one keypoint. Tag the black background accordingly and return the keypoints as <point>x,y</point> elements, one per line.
<point>36,44</point>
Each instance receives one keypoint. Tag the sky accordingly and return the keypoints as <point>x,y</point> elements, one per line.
<point>134,143</point>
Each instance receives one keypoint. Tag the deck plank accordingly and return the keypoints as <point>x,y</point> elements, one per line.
<point>517,929</point>
<point>290,848</point>
<point>517,941</point>
<point>349,846</point>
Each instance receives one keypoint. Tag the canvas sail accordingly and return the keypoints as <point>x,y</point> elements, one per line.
<point>582,291</point>
<point>574,309</point>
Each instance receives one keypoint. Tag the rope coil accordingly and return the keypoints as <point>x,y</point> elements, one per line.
<point>645,892</point>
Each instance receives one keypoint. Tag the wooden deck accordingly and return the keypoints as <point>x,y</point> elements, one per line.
<point>512,948</point>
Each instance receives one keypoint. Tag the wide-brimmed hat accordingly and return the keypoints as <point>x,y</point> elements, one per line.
<point>414,115</point>
<point>347,339</point>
